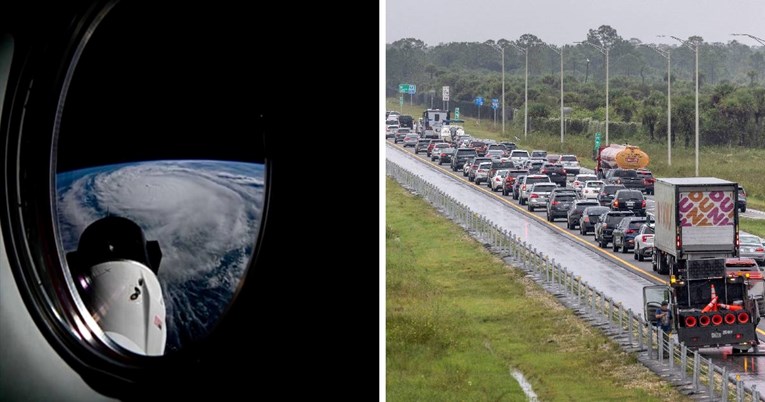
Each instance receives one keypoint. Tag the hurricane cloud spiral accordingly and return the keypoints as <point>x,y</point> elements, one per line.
<point>204,214</point>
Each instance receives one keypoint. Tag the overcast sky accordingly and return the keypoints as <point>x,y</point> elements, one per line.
<point>565,21</point>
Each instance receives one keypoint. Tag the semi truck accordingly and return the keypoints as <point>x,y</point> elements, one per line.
<point>623,156</point>
<point>696,229</point>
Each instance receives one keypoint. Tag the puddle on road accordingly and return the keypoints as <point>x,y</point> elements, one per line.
<point>525,386</point>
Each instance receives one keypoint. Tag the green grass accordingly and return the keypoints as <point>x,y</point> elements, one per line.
<point>742,165</point>
<point>458,320</point>
<point>753,226</point>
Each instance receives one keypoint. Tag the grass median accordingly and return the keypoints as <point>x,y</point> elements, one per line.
<point>458,320</point>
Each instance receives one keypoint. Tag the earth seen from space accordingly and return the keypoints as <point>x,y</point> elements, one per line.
<point>204,214</point>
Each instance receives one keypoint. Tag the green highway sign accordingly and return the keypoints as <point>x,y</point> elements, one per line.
<point>406,88</point>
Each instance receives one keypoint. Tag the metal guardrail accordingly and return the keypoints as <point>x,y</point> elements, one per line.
<point>690,371</point>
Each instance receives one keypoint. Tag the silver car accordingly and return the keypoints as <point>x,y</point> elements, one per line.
<point>751,247</point>
<point>482,173</point>
<point>539,195</point>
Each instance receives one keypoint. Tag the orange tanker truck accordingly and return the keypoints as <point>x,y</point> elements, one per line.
<point>623,156</point>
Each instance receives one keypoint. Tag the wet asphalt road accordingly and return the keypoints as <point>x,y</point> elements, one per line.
<point>617,275</point>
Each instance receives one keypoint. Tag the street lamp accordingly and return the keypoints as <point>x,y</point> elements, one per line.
<point>695,47</point>
<point>502,52</point>
<point>560,53</point>
<point>604,50</point>
<point>586,71</point>
<point>526,91</point>
<point>667,55</point>
<point>762,42</point>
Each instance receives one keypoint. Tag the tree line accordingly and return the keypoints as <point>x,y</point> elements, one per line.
<point>731,77</point>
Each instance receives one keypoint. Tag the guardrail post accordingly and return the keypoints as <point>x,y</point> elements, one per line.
<point>696,370</point>
<point>711,373</point>
<point>755,393</point>
<point>660,345</point>
<point>671,348</point>
<point>650,342</point>
<point>724,385</point>
<point>640,333</point>
<point>630,318</point>
<point>683,361</point>
<point>621,321</point>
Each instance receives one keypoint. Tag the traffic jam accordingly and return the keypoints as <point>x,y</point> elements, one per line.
<point>614,208</point>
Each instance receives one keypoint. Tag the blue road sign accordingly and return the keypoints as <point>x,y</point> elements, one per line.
<point>494,104</point>
<point>479,101</point>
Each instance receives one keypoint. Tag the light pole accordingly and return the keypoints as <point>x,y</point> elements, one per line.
<point>762,42</point>
<point>502,52</point>
<point>526,91</point>
<point>695,47</point>
<point>586,71</point>
<point>667,55</point>
<point>604,50</point>
<point>560,53</point>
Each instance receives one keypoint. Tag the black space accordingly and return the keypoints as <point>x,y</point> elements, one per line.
<point>190,80</point>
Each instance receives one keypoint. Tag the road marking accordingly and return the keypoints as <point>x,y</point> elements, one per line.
<point>658,279</point>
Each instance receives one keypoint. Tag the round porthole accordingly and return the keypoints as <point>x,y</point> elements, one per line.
<point>135,201</point>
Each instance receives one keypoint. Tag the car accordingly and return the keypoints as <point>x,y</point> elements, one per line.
<point>444,155</point>
<point>519,156</point>
<point>498,179</point>
<point>559,203</point>
<point>528,181</point>
<point>648,180</point>
<point>556,172</point>
<point>591,189</point>
<point>753,275</point>
<point>574,214</point>
<point>410,140</point>
<point>741,199</point>
<point>644,241</point>
<point>607,193</point>
<point>533,166</point>
<point>390,131</point>
<point>432,144</point>
<point>422,145</point>
<point>474,166</point>
<point>629,200</point>
<point>401,132</point>
<point>608,221</point>
<point>479,146</point>
<point>591,216</point>
<point>750,246</point>
<point>628,177</point>
<point>482,173</point>
<point>571,163</point>
<point>461,157</point>
<point>538,154</point>
<point>510,179</point>
<point>517,186</point>
<point>509,146</point>
<point>437,148</point>
<point>552,158</point>
<point>499,164</point>
<point>538,195</point>
<point>623,236</point>
<point>580,179</point>
<point>494,153</point>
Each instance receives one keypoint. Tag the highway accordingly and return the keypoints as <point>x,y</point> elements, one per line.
<point>618,275</point>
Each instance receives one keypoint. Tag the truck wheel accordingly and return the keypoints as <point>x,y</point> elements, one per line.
<point>624,248</point>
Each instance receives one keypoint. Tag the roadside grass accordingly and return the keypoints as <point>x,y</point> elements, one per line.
<point>742,165</point>
<point>458,320</point>
<point>753,226</point>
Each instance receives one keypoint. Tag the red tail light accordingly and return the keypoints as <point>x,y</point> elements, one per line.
<point>643,204</point>
<point>755,275</point>
<point>730,319</point>
<point>717,319</point>
<point>628,231</point>
<point>534,195</point>
<point>555,202</point>
<point>587,219</point>
<point>523,188</point>
<point>678,242</point>
<point>704,320</point>
<point>759,249</point>
<point>544,171</point>
<point>616,203</point>
<point>743,317</point>
<point>690,321</point>
<point>644,238</point>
